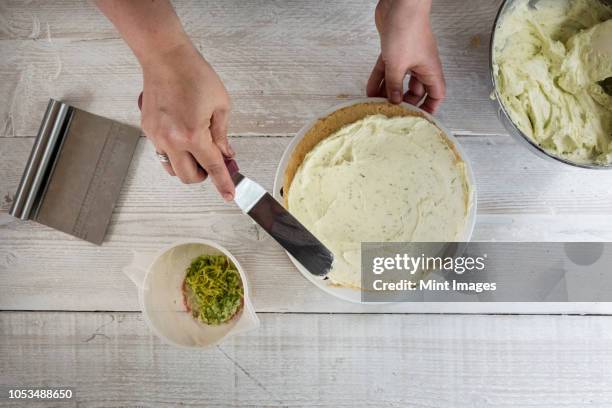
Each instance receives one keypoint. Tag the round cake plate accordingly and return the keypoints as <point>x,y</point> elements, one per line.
<point>351,294</point>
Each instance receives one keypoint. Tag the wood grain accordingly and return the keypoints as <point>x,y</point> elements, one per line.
<point>112,359</point>
<point>521,198</point>
<point>42,269</point>
<point>282,62</point>
<point>509,179</point>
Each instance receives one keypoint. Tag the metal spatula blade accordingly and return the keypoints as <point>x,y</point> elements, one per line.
<point>254,201</point>
<point>282,226</point>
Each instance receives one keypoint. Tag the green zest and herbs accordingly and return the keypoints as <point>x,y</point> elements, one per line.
<point>213,289</point>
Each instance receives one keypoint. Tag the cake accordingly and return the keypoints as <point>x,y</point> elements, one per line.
<point>376,172</point>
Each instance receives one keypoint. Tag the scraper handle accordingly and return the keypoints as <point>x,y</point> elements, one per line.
<point>231,164</point>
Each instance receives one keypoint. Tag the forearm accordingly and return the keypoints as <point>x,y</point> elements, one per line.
<point>403,10</point>
<point>408,8</point>
<point>417,5</point>
<point>150,28</point>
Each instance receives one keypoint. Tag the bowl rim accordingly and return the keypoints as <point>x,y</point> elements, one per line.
<point>507,121</point>
<point>352,294</point>
<point>203,242</point>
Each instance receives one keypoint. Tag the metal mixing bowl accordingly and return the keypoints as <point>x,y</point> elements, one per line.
<point>503,114</point>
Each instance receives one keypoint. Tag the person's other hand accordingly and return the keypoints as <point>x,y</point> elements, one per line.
<point>408,47</point>
<point>185,111</point>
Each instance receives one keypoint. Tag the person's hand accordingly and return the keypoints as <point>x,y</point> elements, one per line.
<point>185,112</point>
<point>408,47</point>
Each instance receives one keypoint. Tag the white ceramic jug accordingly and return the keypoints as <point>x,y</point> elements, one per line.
<point>160,281</point>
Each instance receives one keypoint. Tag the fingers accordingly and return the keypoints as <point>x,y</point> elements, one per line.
<point>435,96</point>
<point>383,89</point>
<point>165,163</point>
<point>394,76</point>
<point>433,80</point>
<point>416,91</point>
<point>186,168</point>
<point>211,158</point>
<point>376,77</point>
<point>430,105</point>
<point>430,85</point>
<point>218,131</point>
<point>199,156</point>
<point>387,77</point>
<point>386,81</point>
<point>168,168</point>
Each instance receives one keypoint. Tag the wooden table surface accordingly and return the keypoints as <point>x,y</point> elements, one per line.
<point>69,316</point>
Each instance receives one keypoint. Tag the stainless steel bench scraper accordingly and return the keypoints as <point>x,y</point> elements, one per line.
<point>74,174</point>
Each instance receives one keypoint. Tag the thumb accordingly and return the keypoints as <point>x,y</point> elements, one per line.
<point>394,76</point>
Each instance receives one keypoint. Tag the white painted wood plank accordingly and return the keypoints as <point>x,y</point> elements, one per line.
<point>318,360</point>
<point>509,179</point>
<point>282,62</point>
<point>42,269</point>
